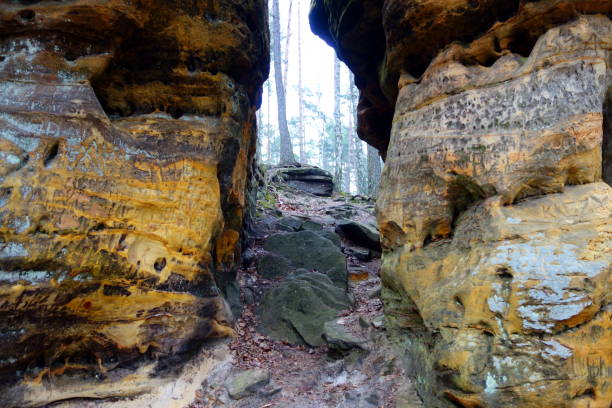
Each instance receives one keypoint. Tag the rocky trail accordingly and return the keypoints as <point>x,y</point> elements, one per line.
<point>146,262</point>
<point>353,364</point>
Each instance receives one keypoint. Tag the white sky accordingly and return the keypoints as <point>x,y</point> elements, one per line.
<point>317,70</point>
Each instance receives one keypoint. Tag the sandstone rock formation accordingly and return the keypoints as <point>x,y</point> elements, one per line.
<point>126,137</point>
<point>494,218</point>
<point>310,179</point>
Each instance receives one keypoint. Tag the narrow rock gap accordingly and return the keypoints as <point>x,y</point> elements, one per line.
<point>132,233</point>
<point>298,328</point>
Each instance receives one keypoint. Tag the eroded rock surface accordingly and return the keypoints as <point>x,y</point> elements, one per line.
<point>518,301</point>
<point>126,135</point>
<point>493,215</point>
<point>388,44</point>
<point>519,128</point>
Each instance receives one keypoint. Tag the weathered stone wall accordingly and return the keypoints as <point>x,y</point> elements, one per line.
<point>126,134</point>
<point>494,217</point>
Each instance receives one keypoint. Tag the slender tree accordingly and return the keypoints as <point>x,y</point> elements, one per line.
<point>260,131</point>
<point>287,46</point>
<point>269,128</point>
<point>301,131</point>
<point>361,166</point>
<point>337,126</point>
<point>286,148</point>
<point>349,150</point>
<point>323,156</point>
<point>356,159</point>
<point>374,169</point>
<point>347,158</point>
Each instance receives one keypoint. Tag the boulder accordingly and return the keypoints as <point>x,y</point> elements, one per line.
<point>342,211</point>
<point>247,382</point>
<point>309,250</point>
<point>362,254</point>
<point>290,223</point>
<point>271,266</point>
<point>310,225</point>
<point>332,236</point>
<point>359,233</point>
<point>312,180</point>
<point>297,309</point>
<point>340,339</point>
<point>293,224</point>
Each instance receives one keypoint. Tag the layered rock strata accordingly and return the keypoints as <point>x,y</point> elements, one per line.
<point>312,180</point>
<point>495,221</point>
<point>384,40</point>
<point>126,135</point>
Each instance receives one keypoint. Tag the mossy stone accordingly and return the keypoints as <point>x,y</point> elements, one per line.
<point>272,266</point>
<point>296,310</point>
<point>311,251</point>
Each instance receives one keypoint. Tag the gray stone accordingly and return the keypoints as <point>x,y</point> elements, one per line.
<point>361,254</point>
<point>364,322</point>
<point>312,180</point>
<point>378,322</point>
<point>308,250</point>
<point>272,266</point>
<point>249,295</point>
<point>375,254</point>
<point>247,382</point>
<point>366,396</point>
<point>310,225</point>
<point>270,390</point>
<point>248,256</point>
<point>341,211</point>
<point>360,234</point>
<point>232,295</point>
<point>375,292</point>
<point>296,309</point>
<point>332,236</point>
<point>289,223</point>
<point>339,338</point>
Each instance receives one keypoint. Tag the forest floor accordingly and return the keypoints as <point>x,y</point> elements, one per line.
<point>308,377</point>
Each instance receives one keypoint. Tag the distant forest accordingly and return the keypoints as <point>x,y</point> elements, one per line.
<point>333,143</point>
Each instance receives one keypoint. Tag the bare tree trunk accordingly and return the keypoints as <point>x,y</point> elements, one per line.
<point>269,128</point>
<point>286,148</point>
<point>361,177</point>
<point>300,90</point>
<point>287,46</point>
<point>323,157</point>
<point>348,160</point>
<point>374,169</point>
<point>358,165</point>
<point>354,146</point>
<point>337,127</point>
<point>260,126</point>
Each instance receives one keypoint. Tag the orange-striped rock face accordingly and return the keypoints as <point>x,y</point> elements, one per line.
<point>521,127</point>
<point>126,135</point>
<point>494,204</point>
<point>512,288</point>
